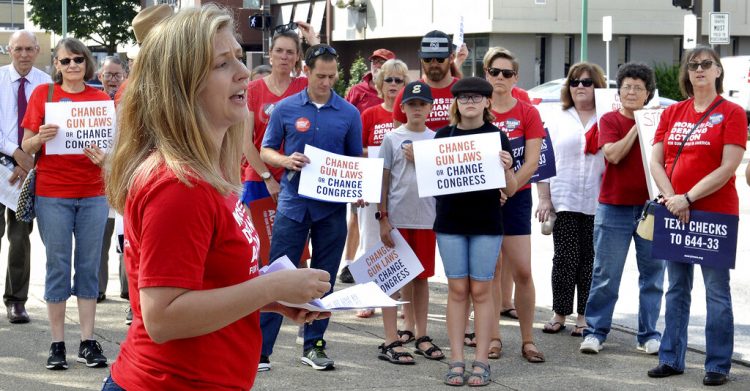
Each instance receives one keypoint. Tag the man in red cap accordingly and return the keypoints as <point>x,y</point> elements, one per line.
<point>363,94</point>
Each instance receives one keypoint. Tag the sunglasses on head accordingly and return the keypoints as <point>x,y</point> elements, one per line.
<point>429,60</point>
<point>321,50</point>
<point>507,73</point>
<point>66,61</point>
<point>705,64</point>
<point>393,80</point>
<point>285,27</point>
<point>585,82</point>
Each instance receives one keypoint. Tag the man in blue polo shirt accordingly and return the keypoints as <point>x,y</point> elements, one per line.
<point>319,117</point>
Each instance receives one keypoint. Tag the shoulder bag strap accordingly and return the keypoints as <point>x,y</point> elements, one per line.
<point>679,151</point>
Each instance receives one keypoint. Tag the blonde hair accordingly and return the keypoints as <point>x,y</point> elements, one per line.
<point>499,52</point>
<point>391,66</point>
<point>160,118</point>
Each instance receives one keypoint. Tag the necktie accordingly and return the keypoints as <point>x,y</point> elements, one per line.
<point>21,106</point>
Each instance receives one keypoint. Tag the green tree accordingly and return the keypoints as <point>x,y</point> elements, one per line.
<point>668,80</point>
<point>106,22</point>
<point>357,71</point>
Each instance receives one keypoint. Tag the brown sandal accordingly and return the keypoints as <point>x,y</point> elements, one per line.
<point>495,351</point>
<point>532,357</point>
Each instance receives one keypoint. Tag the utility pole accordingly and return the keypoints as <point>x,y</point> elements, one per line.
<point>585,30</point>
<point>698,12</point>
<point>64,18</point>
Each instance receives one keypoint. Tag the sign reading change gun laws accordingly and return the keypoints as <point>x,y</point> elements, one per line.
<point>390,268</point>
<point>458,164</point>
<point>82,124</point>
<point>338,178</point>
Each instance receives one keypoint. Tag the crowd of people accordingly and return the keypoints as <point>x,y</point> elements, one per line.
<point>221,137</point>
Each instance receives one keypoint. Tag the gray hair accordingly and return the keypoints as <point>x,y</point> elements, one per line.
<point>114,59</point>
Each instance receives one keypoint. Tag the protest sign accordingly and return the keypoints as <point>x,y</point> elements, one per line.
<point>338,178</point>
<point>647,122</point>
<point>608,99</point>
<point>458,37</point>
<point>390,268</point>
<point>373,151</point>
<point>263,213</point>
<point>9,193</point>
<point>709,238</point>
<point>458,164</point>
<point>546,168</point>
<point>82,124</point>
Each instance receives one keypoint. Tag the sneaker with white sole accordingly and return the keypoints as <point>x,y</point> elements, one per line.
<point>316,356</point>
<point>650,347</point>
<point>264,364</point>
<point>90,352</point>
<point>590,345</point>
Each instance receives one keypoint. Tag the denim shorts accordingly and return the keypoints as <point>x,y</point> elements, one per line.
<point>472,256</point>
<point>61,220</point>
<point>517,214</point>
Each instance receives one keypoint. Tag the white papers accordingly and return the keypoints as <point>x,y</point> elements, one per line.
<point>359,296</point>
<point>389,268</point>
<point>9,193</point>
<point>648,121</point>
<point>458,164</point>
<point>458,37</point>
<point>338,178</point>
<point>81,124</point>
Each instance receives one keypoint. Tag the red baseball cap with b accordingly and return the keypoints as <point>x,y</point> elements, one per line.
<point>382,53</point>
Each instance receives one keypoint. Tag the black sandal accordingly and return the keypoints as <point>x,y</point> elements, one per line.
<point>427,353</point>
<point>387,353</point>
<point>407,333</point>
<point>471,337</point>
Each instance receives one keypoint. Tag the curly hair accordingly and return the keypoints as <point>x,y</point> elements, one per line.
<point>640,71</point>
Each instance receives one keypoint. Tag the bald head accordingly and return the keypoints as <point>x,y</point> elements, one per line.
<point>23,48</point>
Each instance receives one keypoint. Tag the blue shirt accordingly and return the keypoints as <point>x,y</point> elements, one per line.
<point>334,127</point>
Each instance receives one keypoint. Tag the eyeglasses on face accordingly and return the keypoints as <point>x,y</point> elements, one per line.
<point>113,76</point>
<point>586,82</point>
<point>469,99</point>
<point>77,60</point>
<point>429,60</point>
<point>705,64</point>
<point>396,80</point>
<point>285,27</point>
<point>628,88</point>
<point>507,73</point>
<point>378,61</point>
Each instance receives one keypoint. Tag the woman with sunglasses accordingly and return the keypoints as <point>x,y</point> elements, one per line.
<point>285,56</point>
<point>70,205</point>
<point>702,179</point>
<point>572,194</point>
<point>469,230</point>
<point>522,124</point>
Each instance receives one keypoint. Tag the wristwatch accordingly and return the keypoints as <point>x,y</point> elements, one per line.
<point>266,175</point>
<point>381,214</point>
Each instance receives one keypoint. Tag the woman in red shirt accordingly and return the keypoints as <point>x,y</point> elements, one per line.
<point>69,204</point>
<point>188,242</point>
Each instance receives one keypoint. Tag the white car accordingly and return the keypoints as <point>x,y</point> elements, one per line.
<point>549,92</point>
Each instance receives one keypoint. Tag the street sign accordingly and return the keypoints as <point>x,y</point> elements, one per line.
<point>690,32</point>
<point>719,28</point>
<point>606,28</point>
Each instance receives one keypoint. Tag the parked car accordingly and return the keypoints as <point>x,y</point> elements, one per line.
<point>549,92</point>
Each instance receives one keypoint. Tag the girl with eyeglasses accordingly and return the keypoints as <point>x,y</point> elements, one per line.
<point>469,229</point>
<point>702,179</point>
<point>70,205</point>
<point>572,194</point>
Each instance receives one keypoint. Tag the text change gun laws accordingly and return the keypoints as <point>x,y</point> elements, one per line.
<point>338,178</point>
<point>390,268</point>
<point>82,125</point>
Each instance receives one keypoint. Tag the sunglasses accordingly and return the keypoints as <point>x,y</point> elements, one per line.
<point>705,64</point>
<point>507,73</point>
<point>285,27</point>
<point>393,80</point>
<point>585,82</point>
<point>429,60</point>
<point>321,50</point>
<point>66,61</point>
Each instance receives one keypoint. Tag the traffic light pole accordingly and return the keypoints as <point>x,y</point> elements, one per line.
<point>698,12</point>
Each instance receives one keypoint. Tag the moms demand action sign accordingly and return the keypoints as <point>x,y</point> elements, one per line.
<point>458,164</point>
<point>338,178</point>
<point>82,124</point>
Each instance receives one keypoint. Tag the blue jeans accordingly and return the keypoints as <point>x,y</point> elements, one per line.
<point>614,228</point>
<point>471,256</point>
<point>719,327</point>
<point>327,237</point>
<point>60,220</point>
<point>110,385</point>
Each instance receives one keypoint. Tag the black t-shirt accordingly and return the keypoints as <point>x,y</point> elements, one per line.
<point>470,213</point>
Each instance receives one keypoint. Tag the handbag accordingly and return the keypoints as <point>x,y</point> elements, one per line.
<point>25,209</point>
<point>645,227</point>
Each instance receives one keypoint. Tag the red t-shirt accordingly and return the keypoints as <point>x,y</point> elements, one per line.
<point>522,121</point>
<point>441,107</point>
<point>63,176</point>
<point>624,183</point>
<point>261,102</point>
<point>362,96</point>
<point>727,124</point>
<point>213,246</point>
<point>520,94</point>
<point>376,122</point>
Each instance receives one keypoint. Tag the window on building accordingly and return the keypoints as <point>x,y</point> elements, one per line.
<point>540,60</point>
<point>254,4</point>
<point>623,50</point>
<point>569,52</point>
<point>477,46</point>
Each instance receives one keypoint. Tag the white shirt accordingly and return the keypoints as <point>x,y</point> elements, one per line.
<point>9,83</point>
<point>576,186</point>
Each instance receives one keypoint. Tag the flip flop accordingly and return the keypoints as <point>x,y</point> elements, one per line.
<point>549,328</point>
<point>578,331</point>
<point>495,351</point>
<point>472,340</point>
<point>509,313</point>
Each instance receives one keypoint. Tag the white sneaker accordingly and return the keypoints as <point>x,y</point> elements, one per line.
<point>590,345</point>
<point>650,347</point>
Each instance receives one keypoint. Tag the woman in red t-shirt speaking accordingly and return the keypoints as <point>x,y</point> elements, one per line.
<point>188,243</point>
<point>69,204</point>
<point>702,179</point>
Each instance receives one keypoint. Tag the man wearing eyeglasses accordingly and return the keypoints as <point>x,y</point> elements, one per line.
<point>436,53</point>
<point>111,73</point>
<point>363,95</point>
<point>319,117</point>
<point>17,81</point>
